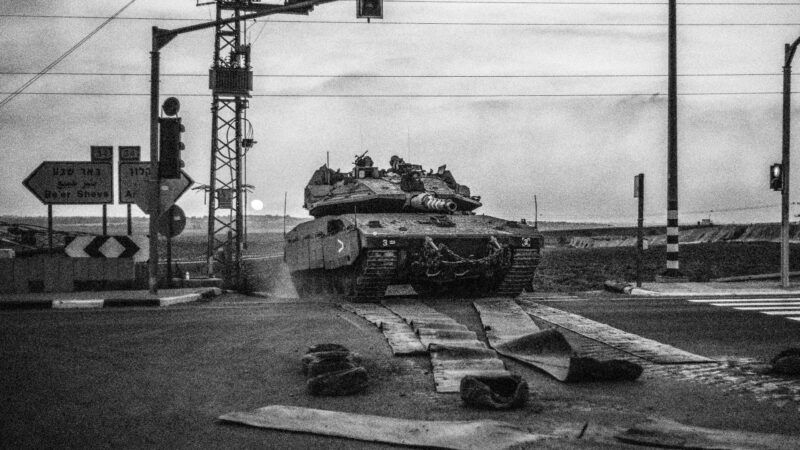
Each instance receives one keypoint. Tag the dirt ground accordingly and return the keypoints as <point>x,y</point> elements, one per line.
<point>159,378</point>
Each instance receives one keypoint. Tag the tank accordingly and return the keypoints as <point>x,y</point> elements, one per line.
<point>375,227</point>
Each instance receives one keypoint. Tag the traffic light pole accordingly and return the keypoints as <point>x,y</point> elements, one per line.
<point>789,51</point>
<point>154,181</point>
<point>160,38</point>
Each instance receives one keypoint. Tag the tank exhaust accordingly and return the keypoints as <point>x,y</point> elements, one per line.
<point>427,202</point>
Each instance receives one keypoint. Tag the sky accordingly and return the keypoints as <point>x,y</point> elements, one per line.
<point>522,113</point>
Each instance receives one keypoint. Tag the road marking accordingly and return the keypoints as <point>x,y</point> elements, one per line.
<point>777,306</point>
<point>733,300</point>
<point>763,308</point>
<point>785,312</point>
<point>758,305</point>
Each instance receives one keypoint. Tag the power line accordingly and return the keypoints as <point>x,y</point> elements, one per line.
<point>274,75</point>
<point>483,24</point>
<point>39,74</point>
<point>584,3</point>
<point>633,94</point>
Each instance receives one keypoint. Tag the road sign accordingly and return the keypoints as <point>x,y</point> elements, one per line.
<point>133,176</point>
<point>177,217</point>
<point>136,247</point>
<point>102,153</point>
<point>133,183</point>
<point>72,183</point>
<point>130,153</point>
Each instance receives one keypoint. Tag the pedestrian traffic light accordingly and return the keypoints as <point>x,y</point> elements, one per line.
<point>776,177</point>
<point>370,9</point>
<point>170,145</point>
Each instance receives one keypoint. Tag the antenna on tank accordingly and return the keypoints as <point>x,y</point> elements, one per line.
<point>535,212</point>
<point>328,167</point>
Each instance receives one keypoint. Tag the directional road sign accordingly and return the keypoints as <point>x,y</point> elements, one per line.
<point>136,247</point>
<point>72,183</point>
<point>133,177</point>
<point>133,183</point>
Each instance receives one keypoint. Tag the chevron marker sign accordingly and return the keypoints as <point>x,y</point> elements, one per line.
<point>136,247</point>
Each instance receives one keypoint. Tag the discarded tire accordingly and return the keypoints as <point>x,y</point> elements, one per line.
<point>314,362</point>
<point>333,370</point>
<point>504,392</point>
<point>343,382</point>
<point>787,362</point>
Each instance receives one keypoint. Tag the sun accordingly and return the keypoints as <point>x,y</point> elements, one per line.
<point>257,205</point>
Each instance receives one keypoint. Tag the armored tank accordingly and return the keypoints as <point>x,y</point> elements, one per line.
<point>373,228</point>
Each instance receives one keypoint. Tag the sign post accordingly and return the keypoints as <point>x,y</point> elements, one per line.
<point>103,153</point>
<point>130,153</point>
<point>638,192</point>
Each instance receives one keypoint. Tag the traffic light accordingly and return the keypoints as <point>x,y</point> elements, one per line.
<point>370,9</point>
<point>776,177</point>
<point>170,145</point>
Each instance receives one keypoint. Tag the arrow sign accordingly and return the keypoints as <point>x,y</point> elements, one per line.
<point>136,247</point>
<point>72,183</point>
<point>134,180</point>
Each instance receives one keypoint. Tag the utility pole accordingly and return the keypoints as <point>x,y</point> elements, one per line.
<point>162,37</point>
<point>789,50</point>
<point>673,232</point>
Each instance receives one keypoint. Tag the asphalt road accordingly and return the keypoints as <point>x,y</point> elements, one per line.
<point>160,377</point>
<point>696,325</point>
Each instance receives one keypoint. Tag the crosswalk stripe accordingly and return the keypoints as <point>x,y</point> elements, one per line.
<point>775,304</point>
<point>766,308</point>
<point>787,307</point>
<point>742,300</point>
<point>788,312</point>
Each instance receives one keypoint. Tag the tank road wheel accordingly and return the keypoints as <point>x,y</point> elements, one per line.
<point>520,275</point>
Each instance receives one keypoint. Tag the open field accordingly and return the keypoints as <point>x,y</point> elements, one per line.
<point>572,269</point>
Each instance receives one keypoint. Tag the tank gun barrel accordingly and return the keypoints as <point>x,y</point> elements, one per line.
<point>427,202</point>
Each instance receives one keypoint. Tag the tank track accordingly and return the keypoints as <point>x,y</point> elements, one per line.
<point>519,276</point>
<point>378,270</point>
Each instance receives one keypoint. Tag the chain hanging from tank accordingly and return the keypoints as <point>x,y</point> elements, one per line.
<point>230,80</point>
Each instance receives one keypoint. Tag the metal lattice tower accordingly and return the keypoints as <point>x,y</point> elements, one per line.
<point>230,80</point>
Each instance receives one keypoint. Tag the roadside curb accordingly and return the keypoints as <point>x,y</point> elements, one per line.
<point>110,302</point>
<point>631,289</point>
<point>628,288</point>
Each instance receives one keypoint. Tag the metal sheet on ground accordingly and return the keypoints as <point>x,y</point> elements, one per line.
<point>398,333</point>
<point>667,433</point>
<point>514,334</point>
<point>642,347</point>
<point>455,351</point>
<point>483,434</point>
